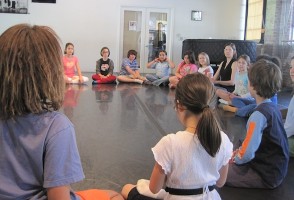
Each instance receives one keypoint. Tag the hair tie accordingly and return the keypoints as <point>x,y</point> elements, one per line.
<point>204,107</point>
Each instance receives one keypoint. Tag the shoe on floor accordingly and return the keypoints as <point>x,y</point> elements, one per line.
<point>223,101</point>
<point>230,108</point>
<point>171,86</point>
<point>147,82</point>
<point>138,81</point>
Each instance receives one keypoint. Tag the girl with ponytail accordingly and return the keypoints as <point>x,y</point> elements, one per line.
<point>191,163</point>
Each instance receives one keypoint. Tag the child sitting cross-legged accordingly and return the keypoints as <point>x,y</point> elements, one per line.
<point>104,68</point>
<point>191,163</point>
<point>187,66</point>
<point>70,65</point>
<point>163,66</point>
<point>241,82</point>
<point>262,159</point>
<point>129,72</point>
<point>243,105</point>
<point>204,65</point>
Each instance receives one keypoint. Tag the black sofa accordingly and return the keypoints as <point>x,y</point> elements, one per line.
<point>215,48</point>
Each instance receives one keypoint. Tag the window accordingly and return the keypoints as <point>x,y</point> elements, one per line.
<point>255,20</point>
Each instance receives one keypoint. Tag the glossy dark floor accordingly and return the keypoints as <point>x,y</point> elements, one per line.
<point>116,126</point>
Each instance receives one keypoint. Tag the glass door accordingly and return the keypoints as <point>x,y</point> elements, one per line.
<point>157,35</point>
<point>147,31</point>
<point>131,37</point>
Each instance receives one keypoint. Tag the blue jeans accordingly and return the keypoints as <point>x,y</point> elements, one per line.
<point>247,105</point>
<point>156,80</point>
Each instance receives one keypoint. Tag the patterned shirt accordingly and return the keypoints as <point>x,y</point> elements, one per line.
<point>127,62</point>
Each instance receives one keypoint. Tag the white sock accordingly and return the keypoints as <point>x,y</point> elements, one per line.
<point>223,101</point>
<point>138,81</point>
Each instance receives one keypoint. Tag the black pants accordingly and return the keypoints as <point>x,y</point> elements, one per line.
<point>135,195</point>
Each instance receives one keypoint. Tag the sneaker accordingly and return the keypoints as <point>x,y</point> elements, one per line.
<point>171,86</point>
<point>223,101</point>
<point>164,84</point>
<point>138,81</point>
<point>147,82</point>
<point>230,108</point>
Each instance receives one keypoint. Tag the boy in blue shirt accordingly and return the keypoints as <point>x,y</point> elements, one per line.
<point>129,72</point>
<point>262,159</point>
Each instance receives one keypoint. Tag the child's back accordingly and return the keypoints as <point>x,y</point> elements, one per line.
<point>192,162</point>
<point>273,145</point>
<point>199,170</point>
<point>262,160</point>
<point>39,157</point>
<point>28,137</point>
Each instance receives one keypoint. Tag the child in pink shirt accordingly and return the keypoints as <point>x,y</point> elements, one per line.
<point>70,65</point>
<point>187,66</point>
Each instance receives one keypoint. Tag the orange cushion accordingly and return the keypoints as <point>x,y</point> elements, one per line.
<point>93,194</point>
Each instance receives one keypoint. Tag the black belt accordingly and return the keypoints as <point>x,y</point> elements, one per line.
<point>187,191</point>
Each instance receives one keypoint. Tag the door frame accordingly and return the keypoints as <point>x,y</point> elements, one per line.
<point>145,34</point>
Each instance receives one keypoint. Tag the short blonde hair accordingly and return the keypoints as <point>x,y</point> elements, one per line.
<point>31,71</point>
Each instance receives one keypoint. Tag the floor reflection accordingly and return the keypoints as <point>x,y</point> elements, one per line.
<point>71,96</point>
<point>104,95</point>
<point>156,100</point>
<point>117,125</point>
<point>128,104</point>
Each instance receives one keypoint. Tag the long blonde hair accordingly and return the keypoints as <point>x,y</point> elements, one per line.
<point>30,70</point>
<point>206,57</point>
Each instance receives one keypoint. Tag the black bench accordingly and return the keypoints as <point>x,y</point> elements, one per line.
<point>215,48</point>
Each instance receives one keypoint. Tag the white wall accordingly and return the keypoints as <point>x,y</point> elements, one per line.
<point>91,24</point>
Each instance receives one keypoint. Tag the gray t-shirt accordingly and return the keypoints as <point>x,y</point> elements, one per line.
<point>37,152</point>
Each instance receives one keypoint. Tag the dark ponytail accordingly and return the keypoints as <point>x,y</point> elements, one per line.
<point>208,132</point>
<point>195,91</point>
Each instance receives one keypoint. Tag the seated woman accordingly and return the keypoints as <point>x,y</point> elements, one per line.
<point>224,78</point>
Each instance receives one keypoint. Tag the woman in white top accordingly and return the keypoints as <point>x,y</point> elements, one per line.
<point>192,162</point>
